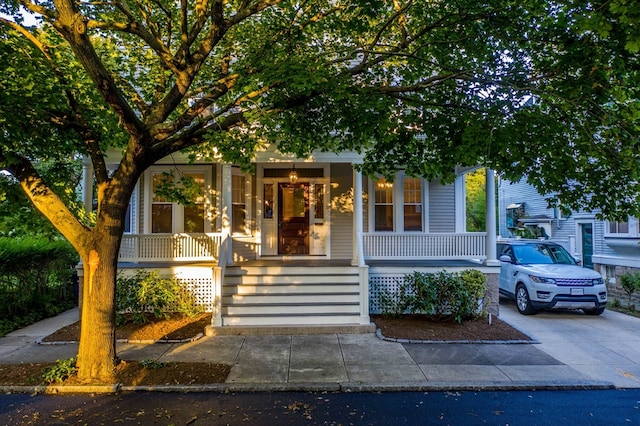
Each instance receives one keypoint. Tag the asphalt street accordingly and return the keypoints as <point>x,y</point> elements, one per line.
<point>522,408</point>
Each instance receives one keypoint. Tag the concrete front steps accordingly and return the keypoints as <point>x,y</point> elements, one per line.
<point>282,299</point>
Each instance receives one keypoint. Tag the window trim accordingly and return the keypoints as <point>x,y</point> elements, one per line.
<point>236,171</point>
<point>178,209</point>
<point>398,205</point>
<point>608,233</point>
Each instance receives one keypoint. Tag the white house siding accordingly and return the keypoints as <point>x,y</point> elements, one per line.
<point>442,209</point>
<point>341,218</point>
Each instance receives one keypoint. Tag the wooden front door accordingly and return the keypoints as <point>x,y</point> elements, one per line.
<point>293,218</point>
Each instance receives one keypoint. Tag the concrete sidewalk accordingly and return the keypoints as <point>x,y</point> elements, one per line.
<point>348,362</point>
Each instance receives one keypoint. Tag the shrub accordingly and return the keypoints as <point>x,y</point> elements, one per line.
<point>445,295</point>
<point>60,372</point>
<point>147,292</point>
<point>630,283</point>
<point>152,364</point>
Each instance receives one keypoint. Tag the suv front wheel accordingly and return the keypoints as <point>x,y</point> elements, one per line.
<point>523,303</point>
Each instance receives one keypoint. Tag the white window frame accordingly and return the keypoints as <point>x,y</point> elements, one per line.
<point>236,171</point>
<point>178,210</point>
<point>632,228</point>
<point>398,205</point>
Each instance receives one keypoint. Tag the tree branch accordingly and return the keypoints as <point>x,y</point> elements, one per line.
<point>46,201</point>
<point>88,136</point>
<point>73,27</point>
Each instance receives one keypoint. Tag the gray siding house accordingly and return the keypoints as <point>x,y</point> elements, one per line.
<point>611,248</point>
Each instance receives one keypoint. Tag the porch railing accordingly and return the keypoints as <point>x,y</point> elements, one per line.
<point>168,247</point>
<point>468,245</point>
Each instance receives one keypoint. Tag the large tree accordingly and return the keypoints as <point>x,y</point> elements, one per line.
<point>416,84</point>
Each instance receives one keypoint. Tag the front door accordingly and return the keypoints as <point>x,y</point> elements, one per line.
<point>587,245</point>
<point>293,218</point>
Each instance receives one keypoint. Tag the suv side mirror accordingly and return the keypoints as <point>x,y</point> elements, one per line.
<point>505,258</point>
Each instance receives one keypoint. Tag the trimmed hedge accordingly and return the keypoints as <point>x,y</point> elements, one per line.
<point>442,295</point>
<point>36,280</point>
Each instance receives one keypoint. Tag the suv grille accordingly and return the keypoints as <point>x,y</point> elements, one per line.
<point>574,281</point>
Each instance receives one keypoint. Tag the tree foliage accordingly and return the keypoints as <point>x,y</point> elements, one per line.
<point>536,88</point>
<point>476,201</point>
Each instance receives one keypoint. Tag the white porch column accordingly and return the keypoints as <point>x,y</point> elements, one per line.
<point>87,184</point>
<point>357,214</point>
<point>461,203</point>
<point>358,256</point>
<point>491,219</point>
<point>226,208</point>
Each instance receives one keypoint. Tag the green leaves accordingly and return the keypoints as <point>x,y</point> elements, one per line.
<point>532,88</point>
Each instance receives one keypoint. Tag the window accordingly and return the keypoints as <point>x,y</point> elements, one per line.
<point>161,208</point>
<point>238,206</point>
<point>383,205</point>
<point>396,206</point>
<point>193,220</point>
<point>618,227</point>
<point>412,204</point>
<point>167,217</point>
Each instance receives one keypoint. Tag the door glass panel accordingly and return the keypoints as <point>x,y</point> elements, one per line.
<point>294,202</point>
<point>293,218</point>
<point>319,208</point>
<point>268,201</point>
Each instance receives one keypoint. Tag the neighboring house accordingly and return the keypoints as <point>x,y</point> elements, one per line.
<point>292,246</point>
<point>610,248</point>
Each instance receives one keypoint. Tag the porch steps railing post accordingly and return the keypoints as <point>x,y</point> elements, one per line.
<point>363,273</point>
<point>218,278</point>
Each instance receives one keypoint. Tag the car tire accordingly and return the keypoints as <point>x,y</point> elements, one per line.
<point>523,303</point>
<point>596,311</point>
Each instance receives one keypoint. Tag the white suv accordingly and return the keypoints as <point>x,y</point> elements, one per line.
<point>543,275</point>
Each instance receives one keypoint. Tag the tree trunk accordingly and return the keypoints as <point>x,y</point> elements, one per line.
<point>97,349</point>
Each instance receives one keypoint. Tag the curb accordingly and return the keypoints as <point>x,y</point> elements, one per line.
<point>132,341</point>
<point>61,389</point>
<point>466,342</point>
<point>346,387</point>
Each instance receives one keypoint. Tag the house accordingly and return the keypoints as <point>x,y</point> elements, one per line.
<point>300,242</point>
<point>611,248</point>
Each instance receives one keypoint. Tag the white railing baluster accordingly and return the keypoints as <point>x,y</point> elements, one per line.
<point>468,245</point>
<point>168,247</point>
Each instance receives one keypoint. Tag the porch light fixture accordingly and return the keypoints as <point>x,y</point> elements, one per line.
<point>293,175</point>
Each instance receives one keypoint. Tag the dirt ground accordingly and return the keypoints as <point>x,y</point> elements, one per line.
<point>148,372</point>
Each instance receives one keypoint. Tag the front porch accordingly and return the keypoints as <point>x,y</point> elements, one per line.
<point>141,248</point>
<point>354,235</point>
<point>276,294</point>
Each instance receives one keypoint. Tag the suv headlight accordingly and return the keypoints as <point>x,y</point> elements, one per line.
<point>597,281</point>
<point>542,280</point>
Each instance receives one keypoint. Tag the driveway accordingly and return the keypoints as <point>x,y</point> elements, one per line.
<point>605,347</point>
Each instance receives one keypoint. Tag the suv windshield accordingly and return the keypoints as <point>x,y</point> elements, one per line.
<point>542,254</point>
